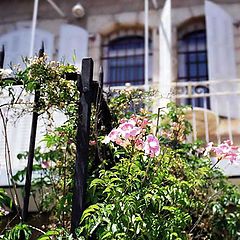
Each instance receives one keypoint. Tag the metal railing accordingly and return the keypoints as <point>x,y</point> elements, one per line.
<point>215,108</point>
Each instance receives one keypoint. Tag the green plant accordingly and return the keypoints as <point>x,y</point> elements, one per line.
<point>18,232</point>
<point>169,196</point>
<point>145,181</point>
<point>5,201</point>
<point>57,234</point>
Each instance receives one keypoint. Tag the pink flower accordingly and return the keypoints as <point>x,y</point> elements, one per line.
<point>114,134</point>
<point>45,164</point>
<point>122,120</point>
<point>139,144</point>
<point>151,146</point>
<point>126,126</point>
<point>92,142</point>
<point>232,157</point>
<point>225,150</point>
<point>144,123</point>
<point>131,133</point>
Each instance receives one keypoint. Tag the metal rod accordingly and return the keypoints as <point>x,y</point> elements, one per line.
<point>2,56</point>
<point>217,123</point>
<point>230,133</point>
<point>146,44</point>
<point>27,187</point>
<point>155,4</point>
<point>56,8</point>
<point>206,120</point>
<point>34,23</point>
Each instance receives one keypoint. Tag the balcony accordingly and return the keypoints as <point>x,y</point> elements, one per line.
<point>214,112</point>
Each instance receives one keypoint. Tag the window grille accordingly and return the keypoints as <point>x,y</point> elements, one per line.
<point>192,65</point>
<point>123,59</point>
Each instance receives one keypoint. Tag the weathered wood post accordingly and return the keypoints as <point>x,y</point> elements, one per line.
<point>85,81</point>
<point>27,187</point>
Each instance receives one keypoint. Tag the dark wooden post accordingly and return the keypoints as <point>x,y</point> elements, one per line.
<point>82,141</point>
<point>2,55</point>
<point>27,187</point>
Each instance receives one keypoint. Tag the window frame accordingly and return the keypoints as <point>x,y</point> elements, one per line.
<point>127,57</point>
<point>184,53</point>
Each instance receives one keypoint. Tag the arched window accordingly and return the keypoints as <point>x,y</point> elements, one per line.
<point>192,63</point>
<point>123,60</point>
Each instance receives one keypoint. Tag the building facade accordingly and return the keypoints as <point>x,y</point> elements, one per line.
<point>113,34</point>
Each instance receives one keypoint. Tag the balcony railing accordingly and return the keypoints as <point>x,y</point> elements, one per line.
<point>215,108</point>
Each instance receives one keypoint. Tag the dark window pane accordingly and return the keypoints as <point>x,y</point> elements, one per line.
<point>125,61</point>
<point>202,69</point>
<point>192,65</point>
<point>193,70</point>
<point>192,57</point>
<point>202,57</point>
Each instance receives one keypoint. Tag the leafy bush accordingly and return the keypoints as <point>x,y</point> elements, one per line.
<point>174,195</point>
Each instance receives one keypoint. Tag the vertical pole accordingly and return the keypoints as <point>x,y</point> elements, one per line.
<point>82,142</point>
<point>27,186</point>
<point>34,23</point>
<point>2,55</point>
<point>146,45</point>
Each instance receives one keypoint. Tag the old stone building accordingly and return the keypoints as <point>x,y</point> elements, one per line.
<point>107,23</point>
<point>200,63</point>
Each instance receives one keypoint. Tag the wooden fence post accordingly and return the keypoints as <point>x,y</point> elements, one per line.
<point>85,82</point>
<point>27,187</point>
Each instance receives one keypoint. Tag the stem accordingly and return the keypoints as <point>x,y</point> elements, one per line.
<point>204,210</point>
<point>9,165</point>
<point>218,160</point>
<point>64,182</point>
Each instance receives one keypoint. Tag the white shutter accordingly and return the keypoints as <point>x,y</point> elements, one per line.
<point>17,44</point>
<point>47,38</point>
<point>73,43</point>
<point>18,132</point>
<point>221,59</point>
<point>165,45</point>
<point>15,47</point>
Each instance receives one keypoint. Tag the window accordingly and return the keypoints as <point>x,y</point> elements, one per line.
<point>192,64</point>
<point>123,60</point>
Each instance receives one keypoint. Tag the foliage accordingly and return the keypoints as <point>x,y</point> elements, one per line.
<point>5,201</point>
<point>169,196</point>
<point>19,231</point>
<point>57,234</point>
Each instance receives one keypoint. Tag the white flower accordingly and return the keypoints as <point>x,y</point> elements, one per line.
<point>106,140</point>
<point>6,73</point>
